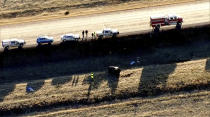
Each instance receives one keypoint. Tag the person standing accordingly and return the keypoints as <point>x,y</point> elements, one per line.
<point>83,33</point>
<point>92,76</point>
<point>86,32</point>
<point>92,35</point>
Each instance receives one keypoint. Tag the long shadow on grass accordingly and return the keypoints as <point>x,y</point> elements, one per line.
<point>58,82</point>
<point>46,55</point>
<point>153,78</point>
<point>98,79</point>
<point>6,90</point>
<point>75,80</point>
<point>207,68</point>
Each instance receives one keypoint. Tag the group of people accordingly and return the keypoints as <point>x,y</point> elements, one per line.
<point>85,34</point>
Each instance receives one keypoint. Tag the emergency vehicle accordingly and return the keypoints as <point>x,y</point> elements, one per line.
<point>157,21</point>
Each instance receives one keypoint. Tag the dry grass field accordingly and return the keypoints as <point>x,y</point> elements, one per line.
<point>79,89</point>
<point>196,103</point>
<point>48,9</point>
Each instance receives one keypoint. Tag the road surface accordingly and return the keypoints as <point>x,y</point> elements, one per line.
<point>125,21</point>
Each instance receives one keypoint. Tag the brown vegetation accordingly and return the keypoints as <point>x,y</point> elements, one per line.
<point>80,89</point>
<point>176,105</point>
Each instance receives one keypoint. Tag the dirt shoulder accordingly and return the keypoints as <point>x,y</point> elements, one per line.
<point>50,9</point>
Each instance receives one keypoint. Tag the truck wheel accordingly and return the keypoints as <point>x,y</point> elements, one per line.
<point>178,26</point>
<point>100,37</point>
<point>114,36</point>
<point>6,49</point>
<point>157,29</point>
<point>20,46</point>
<point>49,43</point>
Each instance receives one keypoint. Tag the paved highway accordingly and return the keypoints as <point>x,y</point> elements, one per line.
<point>125,21</point>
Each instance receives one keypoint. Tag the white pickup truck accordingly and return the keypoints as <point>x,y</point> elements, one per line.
<point>107,33</point>
<point>6,44</point>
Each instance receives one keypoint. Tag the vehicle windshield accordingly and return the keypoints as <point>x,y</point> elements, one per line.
<point>13,42</point>
<point>68,36</point>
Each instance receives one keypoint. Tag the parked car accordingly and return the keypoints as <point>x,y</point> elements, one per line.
<point>6,44</point>
<point>44,39</point>
<point>70,37</point>
<point>107,33</point>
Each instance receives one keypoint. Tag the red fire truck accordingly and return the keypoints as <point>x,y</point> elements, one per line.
<point>157,21</point>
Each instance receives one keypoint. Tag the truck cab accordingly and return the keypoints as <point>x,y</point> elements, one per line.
<point>174,19</point>
<point>14,43</point>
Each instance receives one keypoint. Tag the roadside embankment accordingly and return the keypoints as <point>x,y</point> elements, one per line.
<point>79,90</point>
<point>55,86</point>
<point>121,45</point>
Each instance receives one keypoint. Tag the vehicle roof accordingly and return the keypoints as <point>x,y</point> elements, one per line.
<point>172,15</point>
<point>157,16</point>
<point>162,16</point>
<point>45,37</point>
<point>69,34</point>
<point>107,29</point>
<point>13,39</point>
